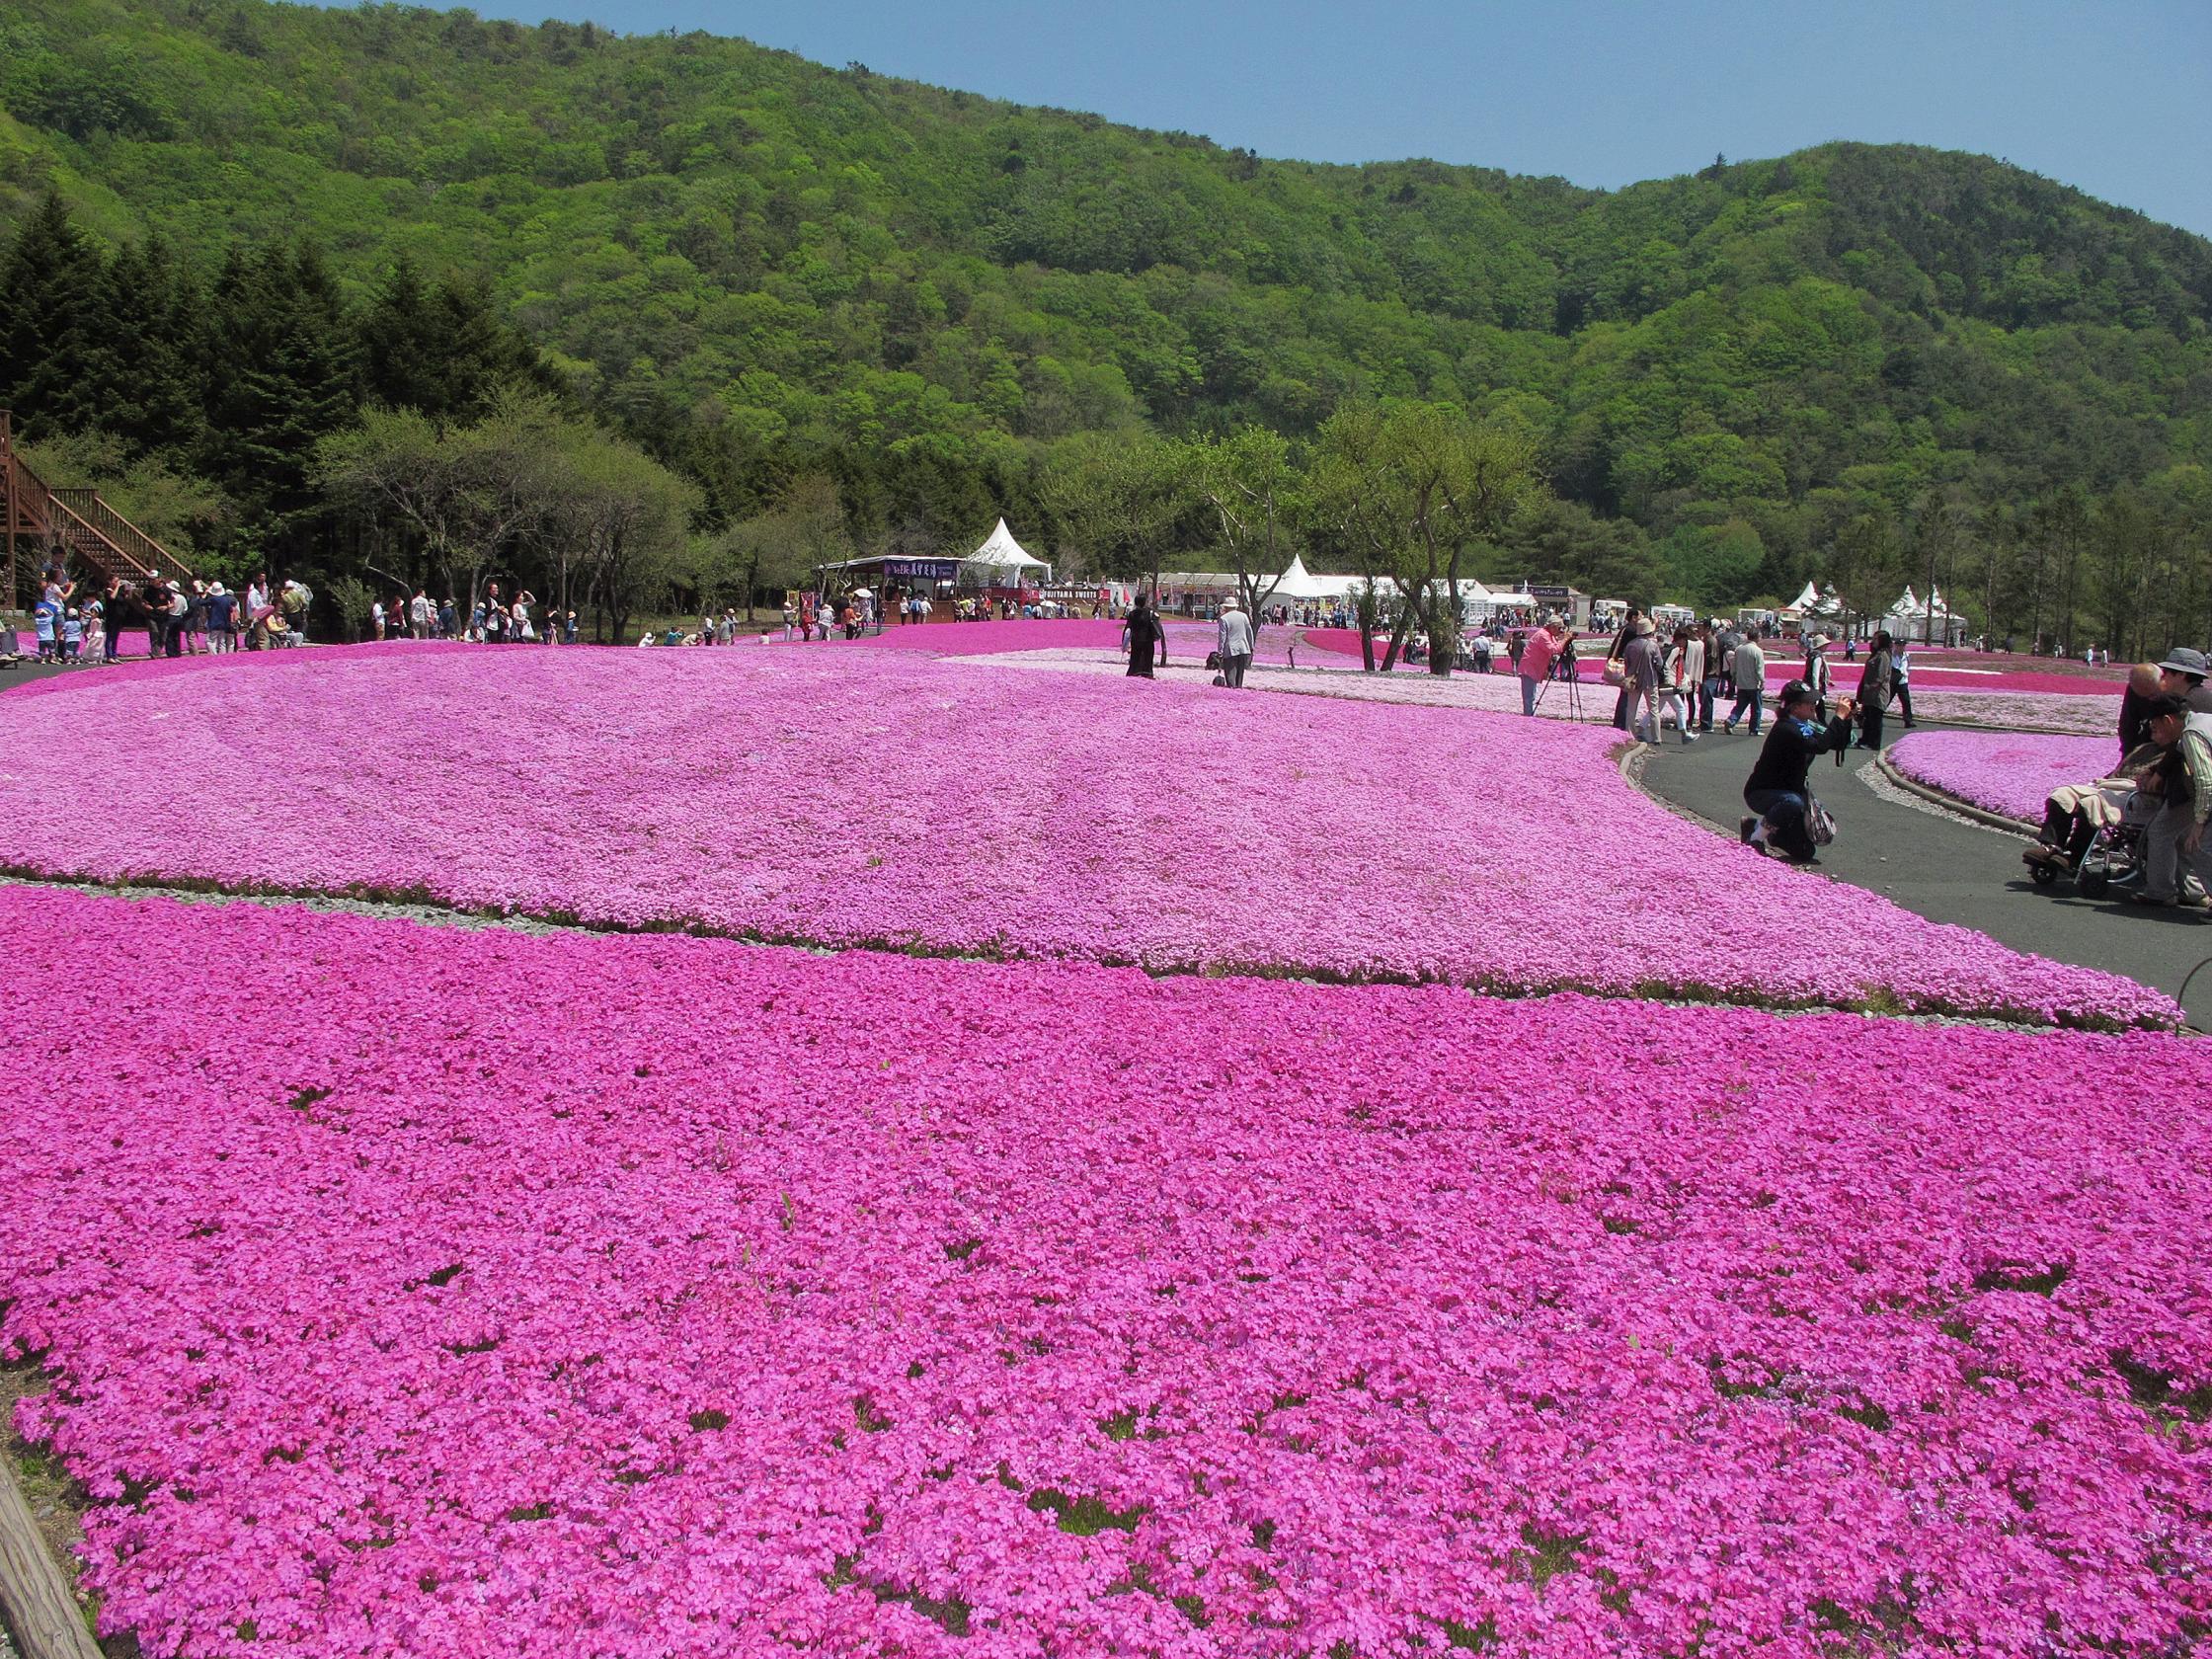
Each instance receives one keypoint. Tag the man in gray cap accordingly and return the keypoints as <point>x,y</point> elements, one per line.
<point>2174,847</point>
<point>2183,675</point>
<point>2177,841</point>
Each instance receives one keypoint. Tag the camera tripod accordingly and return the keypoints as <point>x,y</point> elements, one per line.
<point>1574,694</point>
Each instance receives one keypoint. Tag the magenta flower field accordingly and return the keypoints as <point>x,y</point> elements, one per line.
<point>435,1292</point>
<point>1133,1170</point>
<point>844,797</point>
<point>2009,774</point>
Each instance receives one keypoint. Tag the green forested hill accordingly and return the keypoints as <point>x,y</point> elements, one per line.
<point>763,264</point>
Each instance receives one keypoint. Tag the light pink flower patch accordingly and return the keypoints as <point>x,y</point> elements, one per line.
<point>419,1292</point>
<point>1786,661</point>
<point>975,639</point>
<point>866,797</point>
<point>2009,774</point>
<point>2055,713</point>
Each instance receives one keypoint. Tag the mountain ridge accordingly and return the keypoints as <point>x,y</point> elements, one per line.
<point>787,260</point>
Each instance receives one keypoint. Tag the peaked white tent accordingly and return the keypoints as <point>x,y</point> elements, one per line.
<point>1298,582</point>
<point>1001,555</point>
<point>1807,600</point>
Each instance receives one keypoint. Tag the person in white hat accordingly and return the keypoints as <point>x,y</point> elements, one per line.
<point>1816,675</point>
<point>1233,640</point>
<point>222,616</point>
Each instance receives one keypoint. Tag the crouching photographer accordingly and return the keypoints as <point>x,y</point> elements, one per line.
<point>1785,816</point>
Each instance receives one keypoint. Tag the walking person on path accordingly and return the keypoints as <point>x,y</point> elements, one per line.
<point>1617,654</point>
<point>1900,680</point>
<point>1749,672</point>
<point>156,598</point>
<point>2177,837</point>
<point>1720,667</point>
<point>1640,661</point>
<point>223,614</point>
<point>1679,675</point>
<point>1234,643</point>
<point>1874,686</point>
<point>1710,659</point>
<point>114,610</point>
<point>1776,792</point>
<point>1816,670</point>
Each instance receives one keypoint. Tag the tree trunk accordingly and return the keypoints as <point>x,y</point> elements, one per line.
<point>1398,631</point>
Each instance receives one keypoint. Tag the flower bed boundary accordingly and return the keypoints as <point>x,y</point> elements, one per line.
<point>1947,801</point>
<point>38,1599</point>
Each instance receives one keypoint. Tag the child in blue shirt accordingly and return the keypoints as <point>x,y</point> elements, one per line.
<point>41,617</point>
<point>72,636</point>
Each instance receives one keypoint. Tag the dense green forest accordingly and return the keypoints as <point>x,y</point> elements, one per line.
<point>830,298</point>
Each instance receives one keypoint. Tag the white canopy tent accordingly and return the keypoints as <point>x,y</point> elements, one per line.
<point>1913,618</point>
<point>1298,583</point>
<point>1001,556</point>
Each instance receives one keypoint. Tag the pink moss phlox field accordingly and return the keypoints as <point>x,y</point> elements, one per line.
<point>850,797</point>
<point>415,1291</point>
<point>2009,774</point>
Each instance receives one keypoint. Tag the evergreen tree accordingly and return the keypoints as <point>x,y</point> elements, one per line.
<point>58,368</point>
<point>442,351</point>
<point>288,377</point>
<point>157,309</point>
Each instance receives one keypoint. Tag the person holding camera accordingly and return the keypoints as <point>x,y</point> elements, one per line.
<point>1776,792</point>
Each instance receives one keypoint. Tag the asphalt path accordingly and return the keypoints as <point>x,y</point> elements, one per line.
<point>1949,869</point>
<point>28,670</point>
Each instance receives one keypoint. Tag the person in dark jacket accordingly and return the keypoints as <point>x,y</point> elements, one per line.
<point>1875,690</point>
<point>1776,792</point>
<point>1142,632</point>
<point>1617,654</point>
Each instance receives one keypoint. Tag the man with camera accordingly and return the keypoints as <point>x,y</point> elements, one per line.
<point>1780,802</point>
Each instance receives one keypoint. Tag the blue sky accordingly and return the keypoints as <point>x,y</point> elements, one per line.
<point>2115,99</point>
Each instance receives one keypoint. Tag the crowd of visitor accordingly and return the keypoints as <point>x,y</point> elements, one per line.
<point>180,618</point>
<point>191,618</point>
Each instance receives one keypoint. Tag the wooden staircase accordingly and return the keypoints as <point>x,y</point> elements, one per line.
<point>90,536</point>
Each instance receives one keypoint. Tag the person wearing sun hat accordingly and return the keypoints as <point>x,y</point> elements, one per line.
<point>2177,838</point>
<point>1234,642</point>
<point>1816,673</point>
<point>2183,675</point>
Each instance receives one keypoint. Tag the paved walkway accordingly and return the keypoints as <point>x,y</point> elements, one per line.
<point>1949,870</point>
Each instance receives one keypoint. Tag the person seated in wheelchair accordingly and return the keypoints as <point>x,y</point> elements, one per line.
<point>2123,801</point>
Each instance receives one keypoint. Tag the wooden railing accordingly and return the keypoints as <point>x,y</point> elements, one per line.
<point>119,535</point>
<point>74,522</point>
